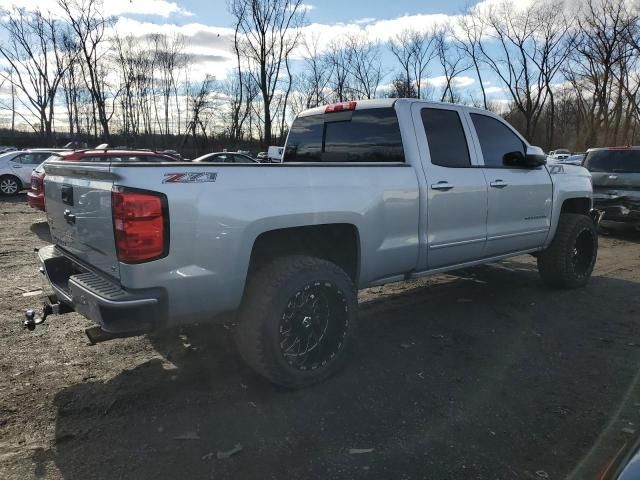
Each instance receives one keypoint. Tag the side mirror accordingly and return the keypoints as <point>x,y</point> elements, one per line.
<point>535,157</point>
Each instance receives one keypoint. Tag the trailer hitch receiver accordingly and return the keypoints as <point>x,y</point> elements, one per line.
<point>33,319</point>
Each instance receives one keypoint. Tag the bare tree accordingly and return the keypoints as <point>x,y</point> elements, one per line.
<point>36,63</point>
<point>469,43</point>
<point>414,51</point>
<point>339,59</point>
<point>199,103</point>
<point>365,65</point>
<point>515,59</point>
<point>451,59</point>
<point>313,81</point>
<point>270,31</point>
<point>601,46</point>
<point>89,27</point>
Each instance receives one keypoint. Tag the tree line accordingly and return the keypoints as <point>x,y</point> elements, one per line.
<point>567,79</point>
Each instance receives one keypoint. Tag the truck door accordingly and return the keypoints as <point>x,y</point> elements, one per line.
<point>456,189</point>
<point>520,197</point>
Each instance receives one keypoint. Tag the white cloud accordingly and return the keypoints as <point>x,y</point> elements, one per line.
<point>441,81</point>
<point>306,7</point>
<point>161,8</point>
<point>364,21</point>
<point>492,90</point>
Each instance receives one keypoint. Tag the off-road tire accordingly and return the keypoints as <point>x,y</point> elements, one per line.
<point>6,181</point>
<point>568,262</point>
<point>267,299</point>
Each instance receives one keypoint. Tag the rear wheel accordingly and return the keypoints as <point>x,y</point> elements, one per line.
<point>9,185</point>
<point>297,321</point>
<point>569,260</point>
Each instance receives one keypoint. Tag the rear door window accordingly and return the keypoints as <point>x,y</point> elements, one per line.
<point>446,138</point>
<point>614,161</point>
<point>496,140</point>
<point>371,135</point>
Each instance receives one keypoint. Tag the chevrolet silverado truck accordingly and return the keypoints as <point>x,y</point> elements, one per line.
<point>369,192</point>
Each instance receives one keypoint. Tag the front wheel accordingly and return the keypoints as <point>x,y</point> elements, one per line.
<point>9,185</point>
<point>568,262</point>
<point>297,320</point>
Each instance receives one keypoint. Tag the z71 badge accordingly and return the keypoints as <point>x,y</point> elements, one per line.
<point>190,177</point>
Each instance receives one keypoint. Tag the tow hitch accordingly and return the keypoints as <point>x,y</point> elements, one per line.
<point>55,307</point>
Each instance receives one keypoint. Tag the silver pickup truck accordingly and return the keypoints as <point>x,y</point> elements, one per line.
<point>368,193</point>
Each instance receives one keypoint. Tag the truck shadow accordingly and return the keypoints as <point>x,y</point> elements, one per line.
<point>41,230</point>
<point>486,369</point>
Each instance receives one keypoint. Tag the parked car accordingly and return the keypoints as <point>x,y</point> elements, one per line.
<point>16,168</point>
<point>615,173</point>
<point>35,196</point>
<point>225,157</point>
<point>262,157</point>
<point>370,192</point>
<point>4,149</point>
<point>274,154</point>
<point>575,159</point>
<point>560,154</point>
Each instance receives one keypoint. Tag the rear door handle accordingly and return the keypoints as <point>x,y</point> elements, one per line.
<point>498,184</point>
<point>441,186</point>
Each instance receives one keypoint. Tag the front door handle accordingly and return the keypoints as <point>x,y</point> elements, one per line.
<point>498,184</point>
<point>441,186</point>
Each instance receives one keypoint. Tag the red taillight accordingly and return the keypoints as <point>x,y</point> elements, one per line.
<point>340,107</point>
<point>139,225</point>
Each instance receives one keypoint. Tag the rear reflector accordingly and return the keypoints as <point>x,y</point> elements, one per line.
<point>340,107</point>
<point>140,224</point>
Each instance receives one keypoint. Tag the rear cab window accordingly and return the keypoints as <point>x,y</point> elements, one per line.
<point>614,161</point>
<point>369,135</point>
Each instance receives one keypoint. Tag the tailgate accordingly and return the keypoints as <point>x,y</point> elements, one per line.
<point>78,203</point>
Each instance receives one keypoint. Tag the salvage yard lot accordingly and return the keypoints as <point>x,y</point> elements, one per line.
<point>479,374</point>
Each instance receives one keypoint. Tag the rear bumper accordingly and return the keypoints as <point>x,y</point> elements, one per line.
<point>618,206</point>
<point>36,200</point>
<point>99,298</point>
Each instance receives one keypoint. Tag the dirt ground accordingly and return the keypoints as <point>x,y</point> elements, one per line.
<point>484,374</point>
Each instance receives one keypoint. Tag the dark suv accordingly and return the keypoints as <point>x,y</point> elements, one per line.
<point>615,174</point>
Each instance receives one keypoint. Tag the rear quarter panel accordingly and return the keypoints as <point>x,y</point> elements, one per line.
<point>213,225</point>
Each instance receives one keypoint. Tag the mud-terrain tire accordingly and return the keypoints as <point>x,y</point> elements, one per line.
<point>9,185</point>
<point>568,262</point>
<point>297,320</point>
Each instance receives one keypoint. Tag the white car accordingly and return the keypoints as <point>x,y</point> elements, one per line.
<point>560,154</point>
<point>274,154</point>
<point>16,168</point>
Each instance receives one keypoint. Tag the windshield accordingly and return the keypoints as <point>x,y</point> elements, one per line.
<point>620,161</point>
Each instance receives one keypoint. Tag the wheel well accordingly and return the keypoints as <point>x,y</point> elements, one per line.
<point>576,205</point>
<point>338,243</point>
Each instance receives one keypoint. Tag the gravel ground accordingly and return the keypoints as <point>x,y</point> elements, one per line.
<point>483,374</point>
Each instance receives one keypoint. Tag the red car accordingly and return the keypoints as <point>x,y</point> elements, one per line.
<point>35,196</point>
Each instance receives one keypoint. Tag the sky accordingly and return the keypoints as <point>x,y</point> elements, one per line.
<point>207,26</point>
